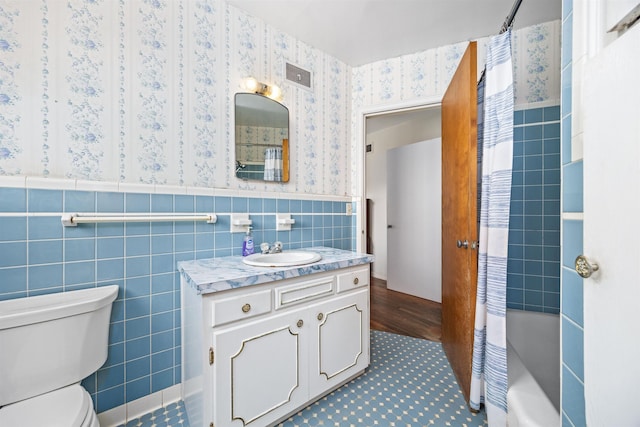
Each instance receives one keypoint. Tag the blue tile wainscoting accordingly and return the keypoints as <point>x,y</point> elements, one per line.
<point>38,256</point>
<point>533,269</point>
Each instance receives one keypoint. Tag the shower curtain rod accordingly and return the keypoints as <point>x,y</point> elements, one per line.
<point>509,20</point>
<point>505,26</point>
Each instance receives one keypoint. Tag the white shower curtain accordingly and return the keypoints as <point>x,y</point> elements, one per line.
<point>273,164</point>
<point>489,373</point>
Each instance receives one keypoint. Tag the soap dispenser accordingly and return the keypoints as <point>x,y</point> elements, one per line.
<point>247,244</point>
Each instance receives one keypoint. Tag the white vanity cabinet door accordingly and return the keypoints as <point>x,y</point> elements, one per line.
<point>340,340</point>
<point>260,370</point>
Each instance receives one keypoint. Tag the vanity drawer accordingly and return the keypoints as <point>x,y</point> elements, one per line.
<point>240,307</point>
<point>306,291</point>
<point>353,279</point>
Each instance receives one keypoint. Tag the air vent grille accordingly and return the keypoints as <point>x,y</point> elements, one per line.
<point>298,75</point>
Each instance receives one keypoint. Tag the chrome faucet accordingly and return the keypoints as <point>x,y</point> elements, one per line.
<point>239,166</point>
<point>266,248</point>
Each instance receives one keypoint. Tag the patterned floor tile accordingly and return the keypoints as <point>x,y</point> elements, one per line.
<point>172,415</point>
<point>409,383</point>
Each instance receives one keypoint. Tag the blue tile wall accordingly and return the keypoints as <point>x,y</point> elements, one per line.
<point>533,269</point>
<point>572,188</point>
<point>39,256</point>
<point>572,326</point>
<point>572,396</point>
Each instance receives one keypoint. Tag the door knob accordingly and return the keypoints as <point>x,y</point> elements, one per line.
<point>462,244</point>
<point>584,267</point>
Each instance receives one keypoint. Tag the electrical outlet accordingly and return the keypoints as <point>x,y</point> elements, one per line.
<point>349,210</point>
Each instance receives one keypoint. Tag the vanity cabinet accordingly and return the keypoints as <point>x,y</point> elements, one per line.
<point>262,352</point>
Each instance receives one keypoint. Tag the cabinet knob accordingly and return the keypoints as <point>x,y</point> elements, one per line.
<point>246,308</point>
<point>300,323</point>
<point>320,316</point>
<point>356,281</point>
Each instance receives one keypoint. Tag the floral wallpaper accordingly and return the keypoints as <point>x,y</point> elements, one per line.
<point>536,52</point>
<point>10,118</point>
<point>141,91</point>
<point>537,63</point>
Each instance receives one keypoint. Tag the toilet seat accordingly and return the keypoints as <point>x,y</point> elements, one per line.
<point>70,406</point>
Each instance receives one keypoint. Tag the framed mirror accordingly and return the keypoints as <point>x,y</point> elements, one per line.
<point>262,138</point>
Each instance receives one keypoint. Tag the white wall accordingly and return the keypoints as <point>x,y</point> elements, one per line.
<point>422,126</point>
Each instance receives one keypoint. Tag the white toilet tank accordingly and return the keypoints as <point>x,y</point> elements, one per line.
<point>51,341</point>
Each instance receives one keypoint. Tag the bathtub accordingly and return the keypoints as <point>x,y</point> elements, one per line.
<point>533,359</point>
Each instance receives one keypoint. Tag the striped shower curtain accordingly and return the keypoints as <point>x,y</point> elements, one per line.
<point>489,373</point>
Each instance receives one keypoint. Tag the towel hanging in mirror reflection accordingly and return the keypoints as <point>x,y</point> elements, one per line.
<point>273,164</point>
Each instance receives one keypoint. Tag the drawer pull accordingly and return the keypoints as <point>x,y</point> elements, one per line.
<point>320,316</point>
<point>246,308</point>
<point>356,281</point>
<point>300,323</point>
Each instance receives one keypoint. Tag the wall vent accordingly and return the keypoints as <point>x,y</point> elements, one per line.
<point>298,76</point>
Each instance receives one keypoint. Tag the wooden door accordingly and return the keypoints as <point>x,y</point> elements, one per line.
<point>459,178</point>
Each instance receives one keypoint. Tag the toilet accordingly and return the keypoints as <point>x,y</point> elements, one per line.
<point>48,344</point>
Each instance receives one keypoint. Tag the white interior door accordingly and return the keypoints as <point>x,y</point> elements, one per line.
<point>611,107</point>
<point>414,256</point>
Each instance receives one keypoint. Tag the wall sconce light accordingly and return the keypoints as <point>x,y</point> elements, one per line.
<point>253,85</point>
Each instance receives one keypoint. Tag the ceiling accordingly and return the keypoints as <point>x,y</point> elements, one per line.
<point>359,32</point>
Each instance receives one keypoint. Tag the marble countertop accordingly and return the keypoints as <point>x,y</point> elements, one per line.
<point>221,274</point>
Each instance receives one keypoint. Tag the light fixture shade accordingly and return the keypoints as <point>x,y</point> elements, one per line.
<point>274,92</point>
<point>251,84</point>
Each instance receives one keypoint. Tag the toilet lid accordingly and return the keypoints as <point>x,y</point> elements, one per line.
<point>65,407</point>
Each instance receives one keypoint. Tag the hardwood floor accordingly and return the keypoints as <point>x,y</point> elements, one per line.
<point>404,314</point>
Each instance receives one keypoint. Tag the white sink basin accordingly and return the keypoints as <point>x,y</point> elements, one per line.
<point>282,259</point>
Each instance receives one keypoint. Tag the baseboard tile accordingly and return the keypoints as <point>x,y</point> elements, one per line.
<point>144,405</point>
<point>113,417</point>
<point>122,414</point>
<point>171,394</point>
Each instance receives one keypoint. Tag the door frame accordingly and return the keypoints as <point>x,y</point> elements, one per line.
<point>361,133</point>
